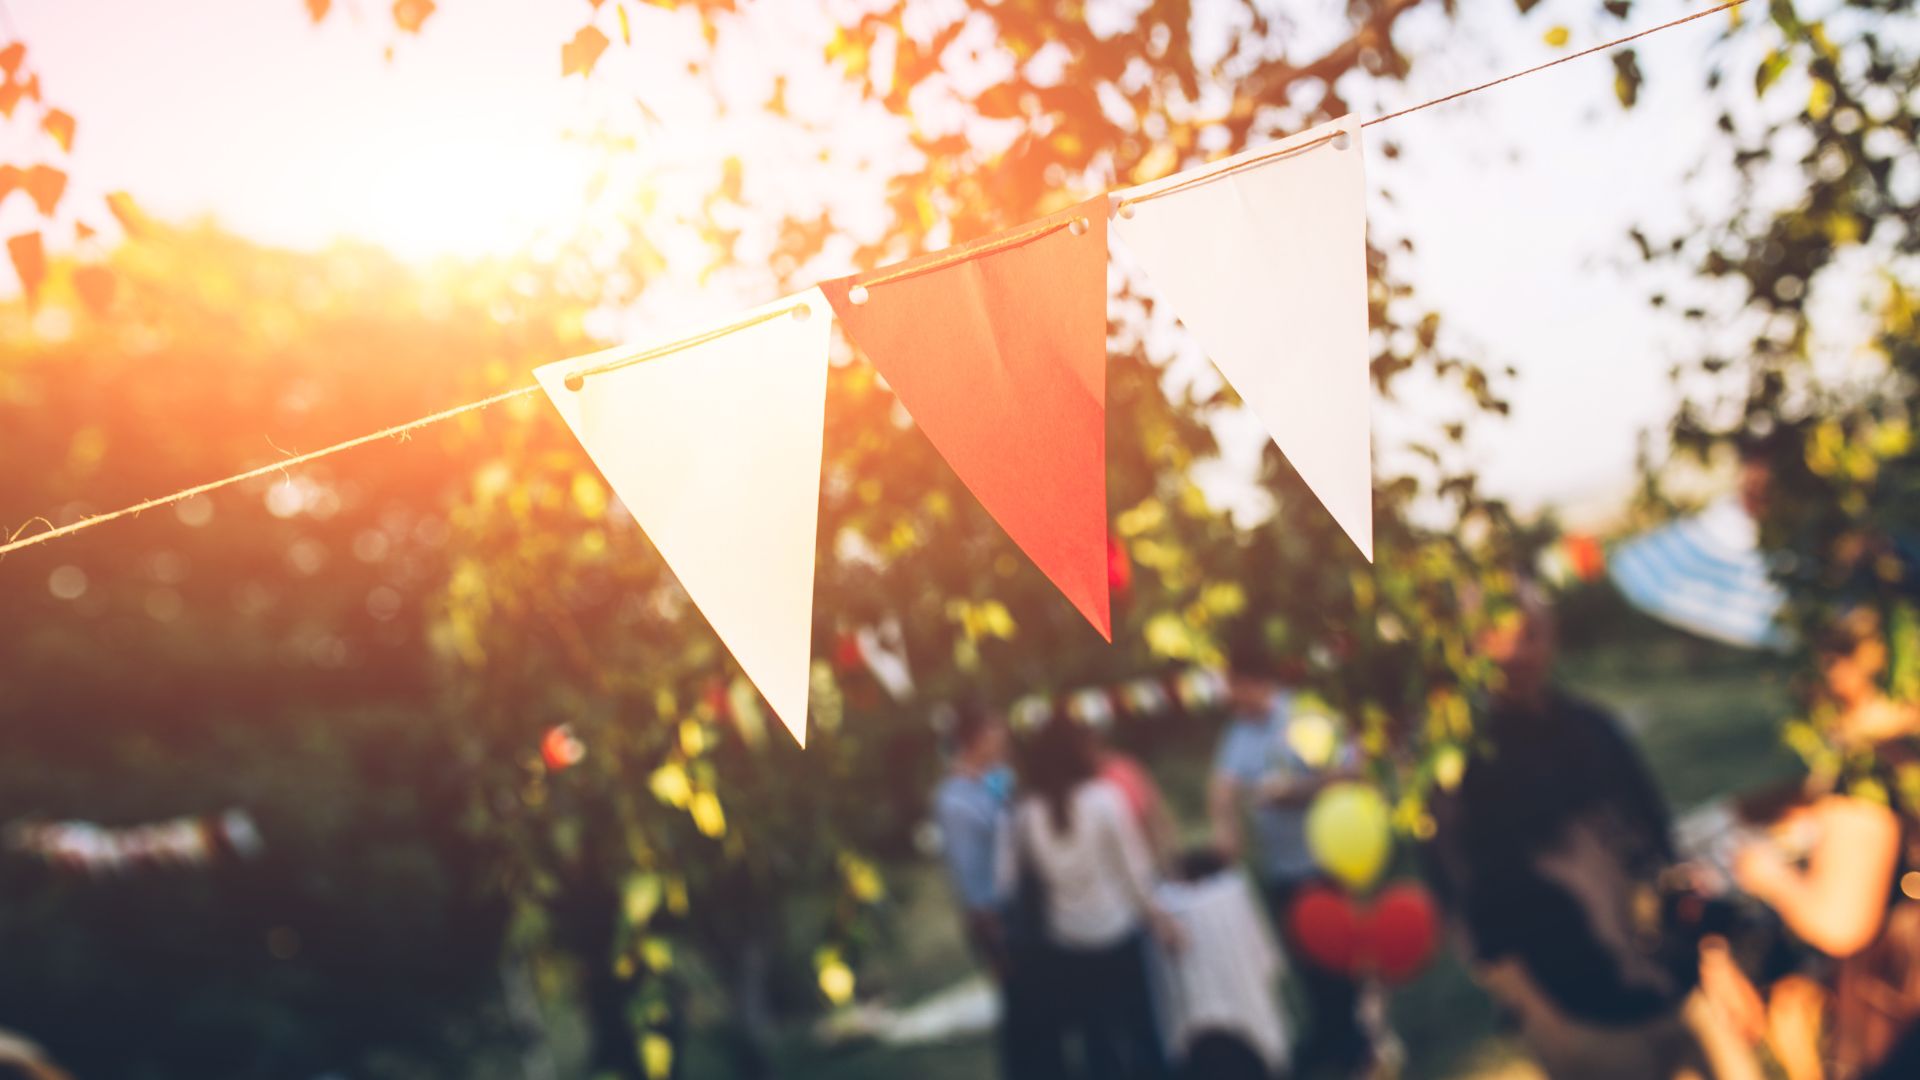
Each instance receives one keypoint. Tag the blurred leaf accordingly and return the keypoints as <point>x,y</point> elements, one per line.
<point>578,56</point>
<point>59,124</point>
<point>656,1054</point>
<point>45,185</point>
<point>708,816</point>
<point>641,898</point>
<point>317,9</point>
<point>11,56</point>
<point>1558,36</point>
<point>1820,99</point>
<point>29,262</point>
<point>132,221</point>
<point>1627,77</point>
<point>1771,68</point>
<point>410,15</point>
<point>834,976</point>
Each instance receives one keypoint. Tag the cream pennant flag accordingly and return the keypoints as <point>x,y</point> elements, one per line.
<point>1263,256</point>
<point>713,443</point>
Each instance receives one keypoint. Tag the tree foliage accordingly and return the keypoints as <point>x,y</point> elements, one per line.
<point>557,610</point>
<point>1829,199</point>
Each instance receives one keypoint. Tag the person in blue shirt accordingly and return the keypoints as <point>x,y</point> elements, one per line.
<point>973,808</point>
<point>1257,799</point>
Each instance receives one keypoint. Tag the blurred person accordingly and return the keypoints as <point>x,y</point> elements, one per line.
<point>1086,865</point>
<point>1550,857</point>
<point>1222,1005</point>
<point>1257,799</point>
<point>972,807</point>
<point>1842,872</point>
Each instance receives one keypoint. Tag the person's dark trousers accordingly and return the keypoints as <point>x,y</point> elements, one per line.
<point>1106,1005</point>
<point>1031,1027</point>
<point>1331,1037</point>
<point>1018,958</point>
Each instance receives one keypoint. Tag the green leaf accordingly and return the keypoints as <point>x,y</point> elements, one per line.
<point>1769,71</point>
<point>1627,78</point>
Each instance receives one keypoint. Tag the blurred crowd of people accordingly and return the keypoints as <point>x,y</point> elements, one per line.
<point>1118,954</point>
<point>1612,952</point>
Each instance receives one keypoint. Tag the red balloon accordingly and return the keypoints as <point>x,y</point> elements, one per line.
<point>1401,931</point>
<point>1325,926</point>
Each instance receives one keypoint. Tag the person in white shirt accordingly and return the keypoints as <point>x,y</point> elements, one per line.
<point>1078,857</point>
<point>1222,1011</point>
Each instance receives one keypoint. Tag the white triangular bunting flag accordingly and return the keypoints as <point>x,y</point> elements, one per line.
<point>1263,256</point>
<point>715,449</point>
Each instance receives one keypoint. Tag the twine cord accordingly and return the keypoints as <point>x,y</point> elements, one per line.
<point>967,254</point>
<point>16,541</point>
<point>1537,68</point>
<point>1221,174</point>
<point>577,380</point>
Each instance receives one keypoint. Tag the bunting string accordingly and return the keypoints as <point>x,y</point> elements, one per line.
<point>1537,68</point>
<point>964,254</point>
<point>579,378</point>
<point>16,541</point>
<point>1203,176</point>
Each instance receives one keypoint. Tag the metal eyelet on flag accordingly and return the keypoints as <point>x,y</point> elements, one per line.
<point>802,312</point>
<point>576,382</point>
<point>1341,141</point>
<point>1079,226</point>
<point>857,294</point>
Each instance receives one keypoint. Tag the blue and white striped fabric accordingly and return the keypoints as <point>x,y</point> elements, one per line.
<point>1704,574</point>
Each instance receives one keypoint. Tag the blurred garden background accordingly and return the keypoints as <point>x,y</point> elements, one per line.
<point>1581,300</point>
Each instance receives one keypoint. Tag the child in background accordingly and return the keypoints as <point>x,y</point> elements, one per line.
<point>1220,994</point>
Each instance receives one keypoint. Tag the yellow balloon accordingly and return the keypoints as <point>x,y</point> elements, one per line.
<point>1348,833</point>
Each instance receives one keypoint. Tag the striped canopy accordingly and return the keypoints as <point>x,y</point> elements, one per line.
<point>1704,574</point>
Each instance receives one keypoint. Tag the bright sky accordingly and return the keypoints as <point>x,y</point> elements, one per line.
<point>1517,200</point>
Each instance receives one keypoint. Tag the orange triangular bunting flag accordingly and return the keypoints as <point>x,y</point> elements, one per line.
<point>998,349</point>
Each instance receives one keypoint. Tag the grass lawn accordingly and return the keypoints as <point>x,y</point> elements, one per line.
<point>1706,716</point>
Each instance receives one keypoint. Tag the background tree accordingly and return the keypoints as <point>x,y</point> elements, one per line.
<point>1804,296</point>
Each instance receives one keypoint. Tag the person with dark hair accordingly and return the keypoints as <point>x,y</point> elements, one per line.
<point>1549,858</point>
<point>1086,865</point>
<point>1257,799</point>
<point>1222,990</point>
<point>971,808</point>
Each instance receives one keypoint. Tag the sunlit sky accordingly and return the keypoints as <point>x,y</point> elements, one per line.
<point>1517,200</point>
